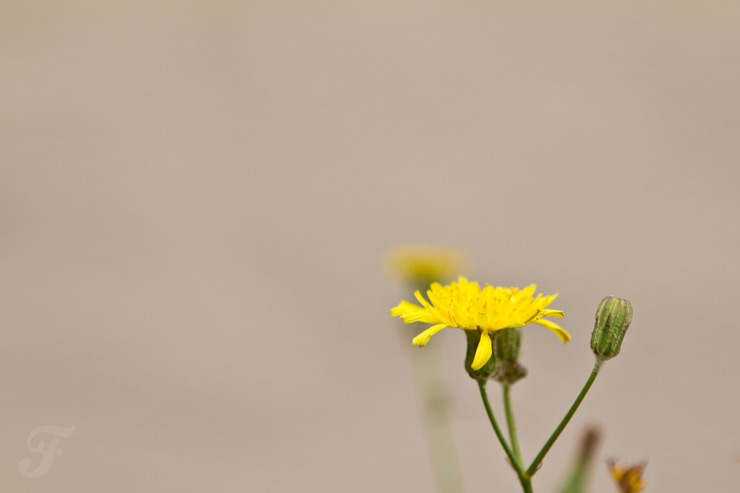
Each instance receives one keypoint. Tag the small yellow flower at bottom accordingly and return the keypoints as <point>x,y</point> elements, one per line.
<point>629,479</point>
<point>464,305</point>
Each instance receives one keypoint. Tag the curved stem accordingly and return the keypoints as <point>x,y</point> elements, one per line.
<point>523,479</point>
<point>555,434</point>
<point>512,424</point>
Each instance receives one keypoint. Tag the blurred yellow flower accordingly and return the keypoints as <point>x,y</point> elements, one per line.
<point>424,264</point>
<point>629,479</point>
<point>464,305</point>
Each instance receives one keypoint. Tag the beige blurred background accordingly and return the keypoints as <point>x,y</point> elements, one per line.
<point>195,198</point>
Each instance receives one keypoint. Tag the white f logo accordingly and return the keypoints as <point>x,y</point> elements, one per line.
<point>48,451</point>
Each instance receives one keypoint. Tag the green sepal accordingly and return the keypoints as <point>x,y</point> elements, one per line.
<point>486,371</point>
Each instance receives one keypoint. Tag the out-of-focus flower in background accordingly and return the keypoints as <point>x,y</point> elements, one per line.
<point>417,267</point>
<point>420,265</point>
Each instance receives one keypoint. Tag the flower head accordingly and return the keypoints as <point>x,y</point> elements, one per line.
<point>424,264</point>
<point>629,479</point>
<point>464,305</point>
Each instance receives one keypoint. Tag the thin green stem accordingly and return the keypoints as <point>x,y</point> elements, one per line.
<point>512,424</point>
<point>555,434</point>
<point>436,423</point>
<point>515,463</point>
<point>526,483</point>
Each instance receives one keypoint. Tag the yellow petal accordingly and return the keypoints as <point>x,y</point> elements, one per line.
<point>422,339</point>
<point>528,291</point>
<point>403,308</point>
<point>421,299</point>
<point>552,313</point>
<point>483,352</point>
<point>411,313</point>
<point>559,331</point>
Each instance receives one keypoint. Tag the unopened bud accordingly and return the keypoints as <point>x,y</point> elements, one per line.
<point>506,350</point>
<point>613,318</point>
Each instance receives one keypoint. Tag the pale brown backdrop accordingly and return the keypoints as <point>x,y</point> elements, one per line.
<point>195,198</point>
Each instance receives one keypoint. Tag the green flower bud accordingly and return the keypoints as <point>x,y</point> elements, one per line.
<point>506,347</point>
<point>506,350</point>
<point>488,369</point>
<point>613,318</point>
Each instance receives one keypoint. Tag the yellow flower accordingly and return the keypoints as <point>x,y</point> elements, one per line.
<point>425,263</point>
<point>629,479</point>
<point>465,305</point>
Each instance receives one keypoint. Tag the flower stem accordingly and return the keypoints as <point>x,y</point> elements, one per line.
<point>577,479</point>
<point>512,424</point>
<point>513,460</point>
<point>436,422</point>
<point>555,434</point>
